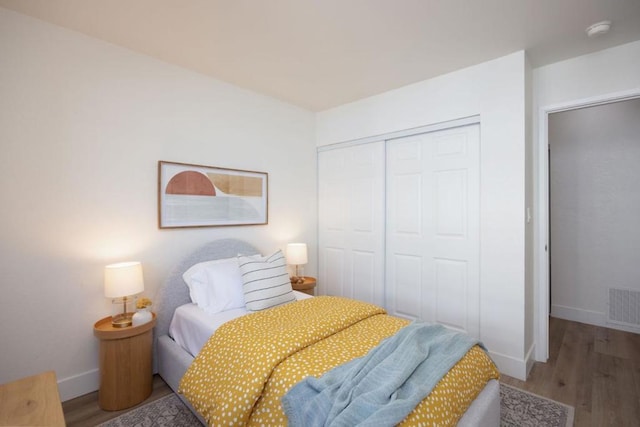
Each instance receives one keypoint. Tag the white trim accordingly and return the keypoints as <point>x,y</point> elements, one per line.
<point>542,236</point>
<point>464,121</point>
<point>593,101</point>
<point>79,385</point>
<point>589,317</point>
<point>541,239</point>
<point>529,359</point>
<point>508,365</point>
<point>581,315</point>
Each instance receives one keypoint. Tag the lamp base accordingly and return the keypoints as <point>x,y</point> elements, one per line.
<point>121,320</point>
<point>297,280</point>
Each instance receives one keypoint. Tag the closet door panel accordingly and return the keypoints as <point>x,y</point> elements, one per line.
<point>457,237</point>
<point>332,191</point>
<point>364,271</point>
<point>351,222</point>
<point>333,271</point>
<point>451,284</point>
<point>404,269</point>
<point>450,205</point>
<point>434,217</point>
<point>405,266</point>
<point>405,196</point>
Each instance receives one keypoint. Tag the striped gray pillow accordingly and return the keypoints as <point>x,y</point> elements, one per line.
<point>266,282</point>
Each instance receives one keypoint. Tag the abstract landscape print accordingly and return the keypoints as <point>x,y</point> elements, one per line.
<point>204,196</point>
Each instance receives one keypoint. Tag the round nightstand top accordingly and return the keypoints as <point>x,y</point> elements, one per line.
<point>105,331</point>
<point>309,283</point>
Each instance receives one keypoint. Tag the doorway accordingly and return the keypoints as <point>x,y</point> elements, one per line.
<point>594,200</point>
<point>542,229</point>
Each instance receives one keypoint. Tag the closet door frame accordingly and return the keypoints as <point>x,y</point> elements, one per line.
<point>326,275</point>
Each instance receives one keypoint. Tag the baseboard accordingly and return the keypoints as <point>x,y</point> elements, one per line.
<point>529,359</point>
<point>78,385</point>
<point>595,318</point>
<point>579,315</point>
<point>625,328</point>
<point>516,368</point>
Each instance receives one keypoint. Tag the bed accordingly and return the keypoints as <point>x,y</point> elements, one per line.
<point>174,358</point>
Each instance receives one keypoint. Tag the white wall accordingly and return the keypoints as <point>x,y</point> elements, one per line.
<point>603,75</point>
<point>594,201</point>
<point>496,91</point>
<point>597,77</point>
<point>82,126</point>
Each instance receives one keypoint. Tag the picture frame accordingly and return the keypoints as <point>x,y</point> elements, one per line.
<point>192,195</point>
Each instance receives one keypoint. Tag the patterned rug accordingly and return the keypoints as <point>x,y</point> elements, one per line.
<point>523,409</point>
<point>168,411</point>
<point>518,408</point>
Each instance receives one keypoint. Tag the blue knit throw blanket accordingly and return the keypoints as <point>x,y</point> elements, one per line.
<point>382,387</point>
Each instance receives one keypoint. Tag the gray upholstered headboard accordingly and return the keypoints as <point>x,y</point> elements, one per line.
<point>174,292</point>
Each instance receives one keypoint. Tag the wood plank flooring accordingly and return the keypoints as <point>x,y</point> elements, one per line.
<point>595,370</point>
<point>84,411</point>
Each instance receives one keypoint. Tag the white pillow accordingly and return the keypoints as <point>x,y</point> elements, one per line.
<point>266,282</point>
<point>215,286</point>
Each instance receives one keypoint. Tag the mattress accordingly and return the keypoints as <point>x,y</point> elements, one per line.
<point>191,326</point>
<point>173,359</point>
<point>253,360</point>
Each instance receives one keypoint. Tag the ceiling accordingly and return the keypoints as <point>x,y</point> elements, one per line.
<point>319,54</point>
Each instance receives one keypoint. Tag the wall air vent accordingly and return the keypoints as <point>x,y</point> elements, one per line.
<point>624,307</point>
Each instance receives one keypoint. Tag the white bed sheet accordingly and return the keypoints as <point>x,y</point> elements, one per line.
<point>191,326</point>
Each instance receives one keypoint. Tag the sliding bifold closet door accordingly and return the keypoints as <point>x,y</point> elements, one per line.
<point>399,225</point>
<point>351,222</point>
<point>432,228</point>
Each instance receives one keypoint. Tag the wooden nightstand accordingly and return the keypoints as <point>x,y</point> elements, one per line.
<point>125,364</point>
<point>306,286</point>
<point>31,401</point>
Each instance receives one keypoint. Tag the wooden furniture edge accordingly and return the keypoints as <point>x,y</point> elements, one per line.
<point>309,283</point>
<point>103,329</point>
<point>34,399</point>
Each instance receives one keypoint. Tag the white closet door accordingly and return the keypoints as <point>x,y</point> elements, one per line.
<point>351,222</point>
<point>432,231</point>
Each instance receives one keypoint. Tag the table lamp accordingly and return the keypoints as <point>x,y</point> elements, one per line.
<point>297,255</point>
<point>121,281</point>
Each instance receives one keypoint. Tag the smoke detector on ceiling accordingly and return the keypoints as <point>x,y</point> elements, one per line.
<point>599,28</point>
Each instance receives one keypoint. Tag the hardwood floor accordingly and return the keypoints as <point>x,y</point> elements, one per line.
<point>84,411</point>
<point>595,370</point>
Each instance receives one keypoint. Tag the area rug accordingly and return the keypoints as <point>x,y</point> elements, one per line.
<point>168,411</point>
<point>518,408</point>
<point>523,409</point>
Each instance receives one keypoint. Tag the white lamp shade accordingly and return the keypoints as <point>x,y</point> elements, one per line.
<point>297,253</point>
<point>123,279</point>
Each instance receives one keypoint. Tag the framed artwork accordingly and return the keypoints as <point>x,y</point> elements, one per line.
<point>207,196</point>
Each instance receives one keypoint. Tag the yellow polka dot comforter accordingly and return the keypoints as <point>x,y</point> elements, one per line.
<point>248,364</point>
